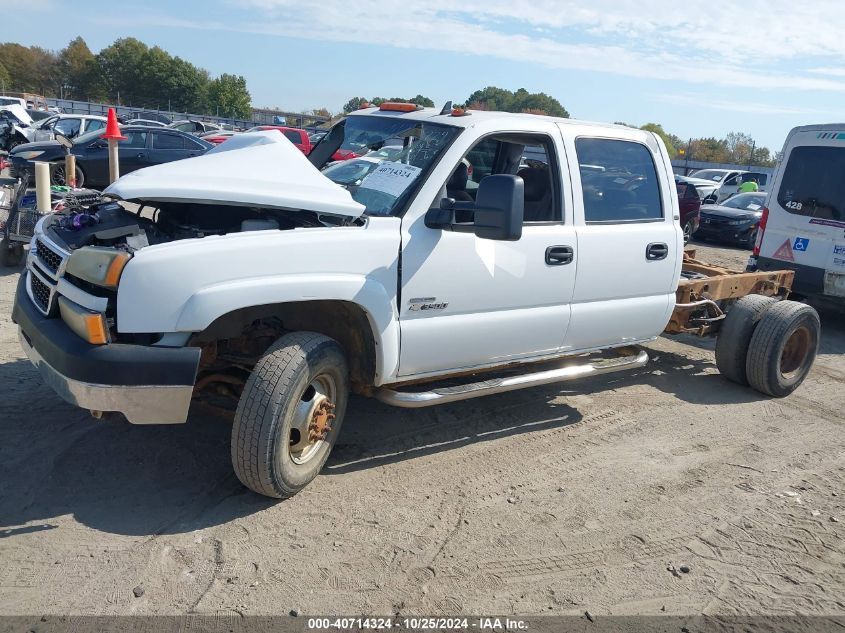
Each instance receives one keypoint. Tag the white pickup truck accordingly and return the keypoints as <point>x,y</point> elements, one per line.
<point>495,250</point>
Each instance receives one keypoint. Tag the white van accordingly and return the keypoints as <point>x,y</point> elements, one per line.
<point>803,225</point>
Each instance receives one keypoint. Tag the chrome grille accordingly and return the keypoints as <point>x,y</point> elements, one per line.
<point>47,256</point>
<point>40,293</point>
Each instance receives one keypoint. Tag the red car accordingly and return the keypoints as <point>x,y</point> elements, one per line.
<point>294,135</point>
<point>690,206</point>
<point>217,137</point>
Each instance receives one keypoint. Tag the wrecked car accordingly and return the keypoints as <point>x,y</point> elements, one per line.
<point>248,276</point>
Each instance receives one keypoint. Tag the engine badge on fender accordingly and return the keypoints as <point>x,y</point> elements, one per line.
<point>426,303</point>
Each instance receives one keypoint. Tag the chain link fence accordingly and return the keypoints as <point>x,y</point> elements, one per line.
<point>260,116</point>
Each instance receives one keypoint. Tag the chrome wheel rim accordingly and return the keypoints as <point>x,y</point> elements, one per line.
<point>312,419</point>
<point>59,176</point>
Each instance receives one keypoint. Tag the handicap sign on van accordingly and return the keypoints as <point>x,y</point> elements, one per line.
<point>801,244</point>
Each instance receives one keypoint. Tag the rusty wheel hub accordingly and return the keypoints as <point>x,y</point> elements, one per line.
<point>319,427</point>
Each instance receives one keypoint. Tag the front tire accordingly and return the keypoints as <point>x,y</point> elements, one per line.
<point>783,348</point>
<point>688,231</point>
<point>58,176</point>
<point>751,240</point>
<point>290,414</point>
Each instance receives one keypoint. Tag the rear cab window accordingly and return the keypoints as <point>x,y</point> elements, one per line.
<point>813,183</point>
<point>619,181</point>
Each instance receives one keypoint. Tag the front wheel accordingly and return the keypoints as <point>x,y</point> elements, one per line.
<point>688,231</point>
<point>290,414</point>
<point>751,240</point>
<point>59,177</point>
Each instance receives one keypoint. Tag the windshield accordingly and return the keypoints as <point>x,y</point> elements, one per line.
<point>709,174</point>
<point>350,173</point>
<point>414,147</point>
<point>746,201</point>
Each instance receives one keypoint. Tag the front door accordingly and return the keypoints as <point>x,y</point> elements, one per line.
<point>629,241</point>
<point>468,302</point>
<point>94,161</point>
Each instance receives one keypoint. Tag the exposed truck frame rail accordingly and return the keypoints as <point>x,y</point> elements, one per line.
<point>705,289</point>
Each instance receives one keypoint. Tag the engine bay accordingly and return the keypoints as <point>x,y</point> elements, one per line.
<point>111,224</point>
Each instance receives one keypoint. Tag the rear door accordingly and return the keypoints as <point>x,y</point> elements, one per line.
<point>93,124</point>
<point>168,146</point>
<point>94,161</point>
<point>629,241</point>
<point>805,230</point>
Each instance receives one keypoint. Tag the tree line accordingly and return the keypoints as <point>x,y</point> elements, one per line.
<point>489,98</point>
<point>127,72</point>
<point>737,148</point>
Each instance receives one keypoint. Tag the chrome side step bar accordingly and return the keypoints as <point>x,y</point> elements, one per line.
<point>443,395</point>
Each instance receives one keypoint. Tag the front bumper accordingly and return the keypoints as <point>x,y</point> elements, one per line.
<point>149,385</point>
<point>724,233</point>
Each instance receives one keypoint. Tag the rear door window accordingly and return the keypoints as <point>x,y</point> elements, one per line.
<point>813,183</point>
<point>619,181</point>
<point>293,137</point>
<point>94,124</point>
<point>168,141</point>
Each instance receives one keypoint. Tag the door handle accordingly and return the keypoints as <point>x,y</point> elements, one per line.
<point>656,251</point>
<point>140,155</point>
<point>559,255</point>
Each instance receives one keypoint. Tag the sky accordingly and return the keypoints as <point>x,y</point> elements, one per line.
<point>759,67</point>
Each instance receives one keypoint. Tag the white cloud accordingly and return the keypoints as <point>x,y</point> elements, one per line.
<point>830,72</point>
<point>705,101</point>
<point>717,44</point>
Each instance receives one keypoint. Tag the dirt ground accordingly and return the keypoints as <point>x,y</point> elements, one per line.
<point>547,501</point>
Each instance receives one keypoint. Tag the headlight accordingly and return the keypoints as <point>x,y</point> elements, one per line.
<point>30,154</point>
<point>98,265</point>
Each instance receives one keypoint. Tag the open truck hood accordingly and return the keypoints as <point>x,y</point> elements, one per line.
<point>259,169</point>
<point>19,112</point>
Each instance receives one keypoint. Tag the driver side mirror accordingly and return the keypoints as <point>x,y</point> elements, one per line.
<point>63,140</point>
<point>497,212</point>
<point>500,208</point>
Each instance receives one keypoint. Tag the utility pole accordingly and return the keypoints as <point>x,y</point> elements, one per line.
<point>751,156</point>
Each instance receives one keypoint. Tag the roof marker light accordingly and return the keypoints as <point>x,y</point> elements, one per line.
<point>399,107</point>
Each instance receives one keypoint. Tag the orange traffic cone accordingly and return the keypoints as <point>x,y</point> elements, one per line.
<point>112,128</point>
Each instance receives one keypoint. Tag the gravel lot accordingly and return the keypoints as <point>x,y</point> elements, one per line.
<point>546,501</point>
